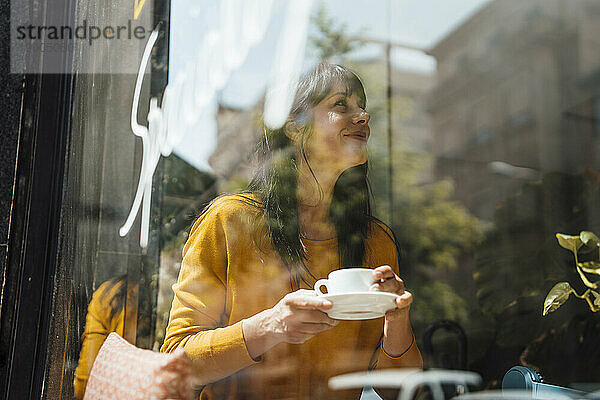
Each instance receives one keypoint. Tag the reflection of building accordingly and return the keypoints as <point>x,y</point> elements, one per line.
<point>410,129</point>
<point>236,142</point>
<point>411,122</point>
<point>411,125</point>
<point>516,83</point>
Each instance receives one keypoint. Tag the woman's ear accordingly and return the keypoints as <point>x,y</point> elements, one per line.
<point>292,131</point>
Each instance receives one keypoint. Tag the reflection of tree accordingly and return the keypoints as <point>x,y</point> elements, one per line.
<point>332,40</point>
<point>434,229</point>
<point>519,262</point>
<point>493,284</point>
<point>435,235</point>
<point>434,232</point>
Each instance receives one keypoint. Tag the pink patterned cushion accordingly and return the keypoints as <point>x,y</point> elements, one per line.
<point>122,371</point>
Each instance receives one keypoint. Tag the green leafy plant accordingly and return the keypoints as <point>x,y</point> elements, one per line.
<point>559,294</point>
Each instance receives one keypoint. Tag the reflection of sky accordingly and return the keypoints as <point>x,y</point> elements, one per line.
<point>418,24</point>
<point>246,85</point>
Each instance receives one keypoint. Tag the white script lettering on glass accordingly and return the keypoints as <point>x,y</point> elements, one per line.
<point>243,24</point>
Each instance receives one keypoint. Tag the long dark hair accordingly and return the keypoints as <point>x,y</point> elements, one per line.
<point>275,182</point>
<point>118,299</point>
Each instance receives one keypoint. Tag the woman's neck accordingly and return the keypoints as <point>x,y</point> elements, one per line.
<point>314,200</point>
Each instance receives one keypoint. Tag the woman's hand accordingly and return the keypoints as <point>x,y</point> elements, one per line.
<point>388,281</point>
<point>397,332</point>
<point>297,317</point>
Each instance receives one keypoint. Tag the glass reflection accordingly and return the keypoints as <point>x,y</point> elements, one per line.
<point>483,143</point>
<point>112,309</point>
<point>243,309</point>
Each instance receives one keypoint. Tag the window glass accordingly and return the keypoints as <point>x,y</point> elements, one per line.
<point>484,145</point>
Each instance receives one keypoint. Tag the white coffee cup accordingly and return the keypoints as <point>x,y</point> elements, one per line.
<point>349,280</point>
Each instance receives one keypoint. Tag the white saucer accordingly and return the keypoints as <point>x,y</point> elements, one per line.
<point>360,305</point>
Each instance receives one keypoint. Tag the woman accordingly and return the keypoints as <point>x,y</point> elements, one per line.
<point>243,309</point>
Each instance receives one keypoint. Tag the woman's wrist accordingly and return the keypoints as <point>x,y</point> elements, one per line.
<point>397,336</point>
<point>257,335</point>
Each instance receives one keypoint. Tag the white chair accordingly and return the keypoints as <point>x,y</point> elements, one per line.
<point>408,381</point>
<point>511,395</point>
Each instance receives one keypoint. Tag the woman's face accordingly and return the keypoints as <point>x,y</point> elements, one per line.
<point>340,131</point>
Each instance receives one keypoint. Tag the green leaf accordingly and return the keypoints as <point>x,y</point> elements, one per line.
<point>557,297</point>
<point>596,299</point>
<point>591,267</point>
<point>569,242</point>
<point>589,239</point>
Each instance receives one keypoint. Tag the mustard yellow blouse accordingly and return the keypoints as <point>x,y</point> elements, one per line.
<point>231,271</point>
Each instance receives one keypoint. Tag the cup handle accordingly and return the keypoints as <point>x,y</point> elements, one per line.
<point>319,284</point>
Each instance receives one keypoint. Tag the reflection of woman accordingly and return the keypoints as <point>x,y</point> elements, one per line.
<point>242,310</point>
<point>106,314</point>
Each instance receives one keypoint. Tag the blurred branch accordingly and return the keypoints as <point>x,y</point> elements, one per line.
<point>333,39</point>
